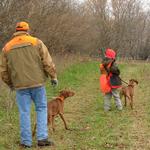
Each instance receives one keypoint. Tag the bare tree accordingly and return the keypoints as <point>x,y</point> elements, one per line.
<point>67,26</point>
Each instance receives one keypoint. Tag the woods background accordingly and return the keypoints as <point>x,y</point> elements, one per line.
<point>67,26</point>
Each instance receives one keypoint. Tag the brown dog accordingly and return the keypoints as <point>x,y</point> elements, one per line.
<point>128,92</point>
<point>56,107</point>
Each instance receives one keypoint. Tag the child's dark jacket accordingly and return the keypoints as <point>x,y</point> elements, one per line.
<point>113,72</point>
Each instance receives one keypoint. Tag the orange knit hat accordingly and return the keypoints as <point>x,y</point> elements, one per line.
<point>110,53</point>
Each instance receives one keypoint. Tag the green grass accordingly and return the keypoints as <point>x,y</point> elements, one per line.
<point>74,77</point>
<point>92,128</point>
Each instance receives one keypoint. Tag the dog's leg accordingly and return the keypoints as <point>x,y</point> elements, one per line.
<point>131,102</point>
<point>49,121</point>
<point>125,101</point>
<point>62,117</point>
<point>53,126</point>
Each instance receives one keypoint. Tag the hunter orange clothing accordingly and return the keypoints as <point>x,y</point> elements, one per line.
<point>23,57</point>
<point>19,41</point>
<point>104,80</point>
<point>109,78</point>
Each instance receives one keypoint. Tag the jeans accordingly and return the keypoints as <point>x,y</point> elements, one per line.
<point>107,100</point>
<point>24,99</point>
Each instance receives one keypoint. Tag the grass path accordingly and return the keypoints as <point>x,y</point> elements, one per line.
<point>140,131</point>
<point>92,128</point>
<point>97,130</point>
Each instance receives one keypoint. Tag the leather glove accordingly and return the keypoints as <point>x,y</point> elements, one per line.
<point>54,82</point>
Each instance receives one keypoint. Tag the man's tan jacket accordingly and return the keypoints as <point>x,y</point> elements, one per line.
<point>26,62</point>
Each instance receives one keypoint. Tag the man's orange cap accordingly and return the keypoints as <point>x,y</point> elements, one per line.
<point>22,26</point>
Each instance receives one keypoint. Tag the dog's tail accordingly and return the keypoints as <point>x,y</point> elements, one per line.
<point>34,130</point>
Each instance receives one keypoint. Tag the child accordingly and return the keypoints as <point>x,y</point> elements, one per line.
<point>110,80</point>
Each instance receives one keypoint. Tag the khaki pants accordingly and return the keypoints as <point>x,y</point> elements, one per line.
<point>107,100</point>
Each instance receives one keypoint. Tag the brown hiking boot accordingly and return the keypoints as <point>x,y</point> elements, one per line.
<point>45,142</point>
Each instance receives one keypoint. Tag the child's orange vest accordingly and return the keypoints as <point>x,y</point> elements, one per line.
<point>104,79</point>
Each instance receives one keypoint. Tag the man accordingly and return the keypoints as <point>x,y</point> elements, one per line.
<point>110,80</point>
<point>26,64</point>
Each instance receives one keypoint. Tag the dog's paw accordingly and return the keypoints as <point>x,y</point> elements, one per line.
<point>68,129</point>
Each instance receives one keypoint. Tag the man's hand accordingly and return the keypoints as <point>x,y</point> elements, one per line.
<point>54,82</point>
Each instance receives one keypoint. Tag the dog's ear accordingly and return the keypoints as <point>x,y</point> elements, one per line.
<point>135,81</point>
<point>131,81</point>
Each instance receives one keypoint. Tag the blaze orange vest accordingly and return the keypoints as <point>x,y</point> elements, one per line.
<point>104,79</point>
<point>20,40</point>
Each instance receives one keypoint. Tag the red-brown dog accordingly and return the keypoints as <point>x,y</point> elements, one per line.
<point>56,107</point>
<point>128,92</point>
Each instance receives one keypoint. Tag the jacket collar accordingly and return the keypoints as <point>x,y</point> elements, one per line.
<point>18,33</point>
